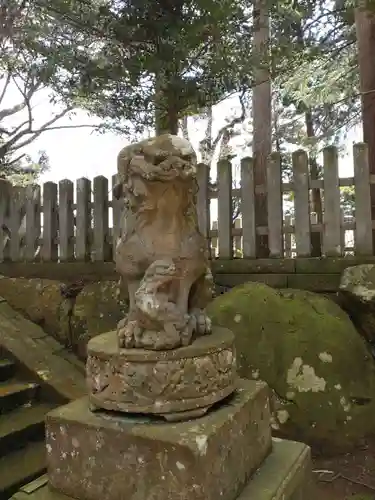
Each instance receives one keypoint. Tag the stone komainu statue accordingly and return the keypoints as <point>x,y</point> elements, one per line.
<point>162,256</point>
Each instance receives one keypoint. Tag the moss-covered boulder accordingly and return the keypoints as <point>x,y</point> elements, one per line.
<point>357,296</point>
<point>72,318</point>
<point>97,309</point>
<point>308,351</point>
<point>40,300</point>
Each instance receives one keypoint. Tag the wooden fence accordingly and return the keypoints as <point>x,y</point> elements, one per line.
<point>56,222</point>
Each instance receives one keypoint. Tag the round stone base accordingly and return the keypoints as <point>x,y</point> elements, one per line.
<point>177,384</point>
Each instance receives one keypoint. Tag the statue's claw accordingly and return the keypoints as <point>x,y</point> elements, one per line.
<point>200,322</point>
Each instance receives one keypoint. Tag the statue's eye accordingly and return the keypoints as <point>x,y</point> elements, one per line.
<point>186,158</point>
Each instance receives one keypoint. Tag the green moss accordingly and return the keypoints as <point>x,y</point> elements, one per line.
<point>308,351</point>
<point>98,309</point>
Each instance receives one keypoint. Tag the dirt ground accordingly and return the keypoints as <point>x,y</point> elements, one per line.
<point>347,477</point>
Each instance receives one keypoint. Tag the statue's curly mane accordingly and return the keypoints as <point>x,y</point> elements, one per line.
<point>152,173</point>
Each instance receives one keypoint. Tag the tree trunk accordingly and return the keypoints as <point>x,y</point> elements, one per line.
<point>166,106</point>
<point>262,116</point>
<point>365,28</point>
<point>315,197</point>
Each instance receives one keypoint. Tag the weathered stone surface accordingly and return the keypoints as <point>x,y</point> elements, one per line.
<point>97,309</point>
<point>160,382</point>
<point>162,255</point>
<point>357,297</point>
<point>93,456</point>
<point>39,300</point>
<point>284,475</point>
<point>308,351</point>
<point>60,374</point>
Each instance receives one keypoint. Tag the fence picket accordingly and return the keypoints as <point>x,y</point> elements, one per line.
<point>301,204</point>
<point>275,206</point>
<point>101,247</point>
<point>363,222</point>
<point>83,220</point>
<point>5,188</point>
<point>33,223</point>
<point>225,208</point>
<point>16,224</point>
<point>117,215</point>
<point>66,220</point>
<point>50,248</point>
<point>248,208</point>
<point>203,201</point>
<point>332,212</point>
<point>288,237</point>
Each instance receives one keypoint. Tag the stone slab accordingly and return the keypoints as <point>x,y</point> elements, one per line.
<point>286,474</point>
<point>40,354</point>
<point>175,381</point>
<point>94,456</point>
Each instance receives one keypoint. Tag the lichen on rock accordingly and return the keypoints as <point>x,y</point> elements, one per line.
<point>310,354</point>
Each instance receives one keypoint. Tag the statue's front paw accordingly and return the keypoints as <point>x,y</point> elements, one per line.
<point>126,334</point>
<point>200,321</point>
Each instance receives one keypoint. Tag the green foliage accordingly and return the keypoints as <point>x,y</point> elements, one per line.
<point>111,56</point>
<point>24,170</point>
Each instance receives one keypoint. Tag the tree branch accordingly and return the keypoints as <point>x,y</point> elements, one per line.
<point>3,92</point>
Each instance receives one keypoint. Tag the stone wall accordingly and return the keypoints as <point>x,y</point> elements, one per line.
<point>315,274</point>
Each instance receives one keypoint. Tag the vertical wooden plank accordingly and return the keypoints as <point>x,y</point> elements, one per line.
<point>248,208</point>
<point>363,221</point>
<point>66,220</point>
<point>332,212</point>
<point>16,214</point>
<point>5,188</point>
<point>101,248</point>
<point>275,206</point>
<point>33,225</point>
<point>288,238</point>
<point>301,203</point>
<point>83,220</point>
<point>343,232</point>
<point>118,216</point>
<point>224,180</point>
<point>214,241</point>
<point>237,239</point>
<point>203,202</point>
<point>50,249</point>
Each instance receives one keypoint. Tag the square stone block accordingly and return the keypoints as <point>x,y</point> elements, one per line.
<point>98,456</point>
<point>286,474</point>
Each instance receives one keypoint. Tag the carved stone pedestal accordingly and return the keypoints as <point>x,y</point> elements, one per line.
<point>177,384</point>
<point>96,456</point>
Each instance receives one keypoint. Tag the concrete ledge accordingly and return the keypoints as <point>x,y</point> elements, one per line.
<point>286,474</point>
<point>97,271</point>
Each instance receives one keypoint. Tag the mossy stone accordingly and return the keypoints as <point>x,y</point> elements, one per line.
<point>97,309</point>
<point>310,354</point>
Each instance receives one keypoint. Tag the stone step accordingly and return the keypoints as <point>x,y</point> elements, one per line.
<point>14,393</point>
<point>7,369</point>
<point>21,467</point>
<point>23,424</point>
<point>286,474</point>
